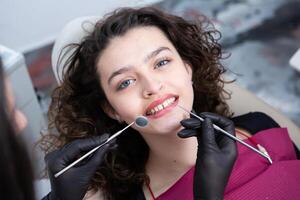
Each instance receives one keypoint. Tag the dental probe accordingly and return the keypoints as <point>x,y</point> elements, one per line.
<point>140,121</point>
<point>229,135</point>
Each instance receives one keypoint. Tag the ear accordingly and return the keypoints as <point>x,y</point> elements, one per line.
<point>110,111</point>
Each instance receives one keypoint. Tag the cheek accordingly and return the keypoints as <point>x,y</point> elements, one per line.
<point>180,78</point>
<point>183,85</point>
<point>127,106</point>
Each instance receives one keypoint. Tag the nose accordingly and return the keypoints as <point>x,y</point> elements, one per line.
<point>151,86</point>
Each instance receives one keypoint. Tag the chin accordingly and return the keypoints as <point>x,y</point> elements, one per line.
<point>168,126</point>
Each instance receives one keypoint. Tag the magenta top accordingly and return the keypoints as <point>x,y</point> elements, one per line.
<point>253,177</point>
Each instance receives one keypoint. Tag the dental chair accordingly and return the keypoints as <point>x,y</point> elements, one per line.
<point>242,101</point>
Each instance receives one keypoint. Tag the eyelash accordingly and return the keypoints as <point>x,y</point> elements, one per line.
<point>162,60</point>
<point>121,86</point>
<point>159,64</point>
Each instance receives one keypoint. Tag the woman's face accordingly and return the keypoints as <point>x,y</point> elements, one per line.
<point>142,74</point>
<point>17,117</point>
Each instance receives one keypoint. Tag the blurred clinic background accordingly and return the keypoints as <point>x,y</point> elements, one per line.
<point>261,36</point>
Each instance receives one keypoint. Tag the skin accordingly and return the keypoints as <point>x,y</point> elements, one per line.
<point>16,115</point>
<point>145,81</point>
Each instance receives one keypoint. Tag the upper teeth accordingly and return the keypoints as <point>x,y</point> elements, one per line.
<point>161,106</point>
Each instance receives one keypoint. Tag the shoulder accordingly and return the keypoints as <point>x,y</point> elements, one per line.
<point>255,122</point>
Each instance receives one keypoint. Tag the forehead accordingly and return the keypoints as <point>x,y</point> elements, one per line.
<point>131,48</point>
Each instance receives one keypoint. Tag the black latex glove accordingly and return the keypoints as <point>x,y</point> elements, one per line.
<point>74,183</point>
<point>215,157</point>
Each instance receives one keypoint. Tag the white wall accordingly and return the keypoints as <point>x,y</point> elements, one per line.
<point>29,24</point>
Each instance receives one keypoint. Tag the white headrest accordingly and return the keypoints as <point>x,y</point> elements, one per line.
<point>73,32</point>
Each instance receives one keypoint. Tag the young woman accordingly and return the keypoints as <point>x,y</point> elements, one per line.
<point>147,62</point>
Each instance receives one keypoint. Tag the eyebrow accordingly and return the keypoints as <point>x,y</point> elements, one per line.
<point>127,68</point>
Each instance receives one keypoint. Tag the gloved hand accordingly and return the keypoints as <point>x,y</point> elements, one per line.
<point>74,183</point>
<point>215,157</point>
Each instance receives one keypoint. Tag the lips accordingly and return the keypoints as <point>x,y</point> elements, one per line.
<point>161,105</point>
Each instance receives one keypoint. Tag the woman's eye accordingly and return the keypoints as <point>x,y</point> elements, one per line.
<point>161,63</point>
<point>125,83</point>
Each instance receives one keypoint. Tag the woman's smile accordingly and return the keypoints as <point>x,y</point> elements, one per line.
<point>161,106</point>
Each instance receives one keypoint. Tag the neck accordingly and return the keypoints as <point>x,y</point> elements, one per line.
<point>170,155</point>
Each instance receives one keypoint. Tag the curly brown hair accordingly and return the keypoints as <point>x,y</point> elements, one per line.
<point>76,107</point>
